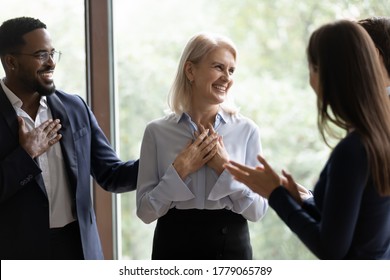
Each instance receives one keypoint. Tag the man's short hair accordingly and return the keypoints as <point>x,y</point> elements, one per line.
<point>379,30</point>
<point>12,31</point>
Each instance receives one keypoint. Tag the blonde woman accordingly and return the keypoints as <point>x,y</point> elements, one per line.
<point>201,211</point>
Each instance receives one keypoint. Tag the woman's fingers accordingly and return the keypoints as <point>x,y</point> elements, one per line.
<point>241,167</point>
<point>235,170</point>
<point>199,140</point>
<point>264,162</point>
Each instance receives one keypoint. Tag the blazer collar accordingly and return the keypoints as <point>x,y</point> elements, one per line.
<point>58,111</point>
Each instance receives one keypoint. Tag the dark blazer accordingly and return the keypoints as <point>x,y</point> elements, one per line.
<point>24,212</point>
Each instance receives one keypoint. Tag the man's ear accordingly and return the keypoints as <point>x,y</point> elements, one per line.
<point>378,52</point>
<point>9,62</point>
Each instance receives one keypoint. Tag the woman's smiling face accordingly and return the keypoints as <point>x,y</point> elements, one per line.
<point>212,77</point>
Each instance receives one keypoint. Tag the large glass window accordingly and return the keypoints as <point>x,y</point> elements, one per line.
<point>65,22</point>
<point>271,87</point>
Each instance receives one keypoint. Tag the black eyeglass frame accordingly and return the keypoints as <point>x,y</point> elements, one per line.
<point>43,56</point>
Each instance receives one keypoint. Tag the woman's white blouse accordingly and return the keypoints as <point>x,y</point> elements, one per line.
<point>160,188</point>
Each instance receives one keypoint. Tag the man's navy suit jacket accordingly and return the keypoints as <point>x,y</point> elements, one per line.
<point>24,206</point>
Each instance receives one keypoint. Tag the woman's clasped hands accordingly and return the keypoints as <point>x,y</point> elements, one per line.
<point>207,148</point>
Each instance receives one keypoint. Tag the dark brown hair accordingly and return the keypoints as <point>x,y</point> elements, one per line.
<point>352,92</point>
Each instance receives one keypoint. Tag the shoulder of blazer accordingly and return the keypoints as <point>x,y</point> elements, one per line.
<point>72,103</point>
<point>68,97</point>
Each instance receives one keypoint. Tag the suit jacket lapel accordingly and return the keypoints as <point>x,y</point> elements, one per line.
<point>67,143</point>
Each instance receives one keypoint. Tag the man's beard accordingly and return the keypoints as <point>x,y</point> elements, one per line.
<point>45,91</point>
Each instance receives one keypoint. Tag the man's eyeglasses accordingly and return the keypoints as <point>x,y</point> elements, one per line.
<point>44,56</point>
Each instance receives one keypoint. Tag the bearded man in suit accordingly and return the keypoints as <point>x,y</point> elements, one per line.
<point>50,146</point>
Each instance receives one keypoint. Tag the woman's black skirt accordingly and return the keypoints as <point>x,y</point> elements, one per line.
<point>201,235</point>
